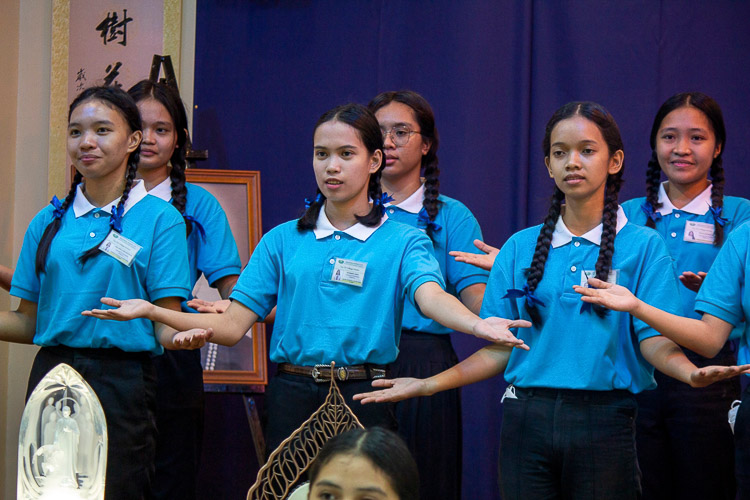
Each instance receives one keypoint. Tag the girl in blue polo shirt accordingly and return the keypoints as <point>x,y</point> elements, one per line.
<point>212,251</point>
<point>107,236</point>
<point>431,427</point>
<point>338,277</point>
<point>685,445</point>
<point>568,417</point>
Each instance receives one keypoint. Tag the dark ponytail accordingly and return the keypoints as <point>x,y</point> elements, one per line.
<point>117,99</point>
<point>712,111</point>
<point>426,120</point>
<point>611,134</point>
<point>362,120</point>
<point>167,96</point>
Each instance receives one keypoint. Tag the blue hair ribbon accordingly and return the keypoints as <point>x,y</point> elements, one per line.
<point>58,211</point>
<point>648,209</point>
<point>531,299</point>
<point>317,199</point>
<point>716,212</point>
<point>115,220</point>
<point>423,221</point>
<point>196,225</point>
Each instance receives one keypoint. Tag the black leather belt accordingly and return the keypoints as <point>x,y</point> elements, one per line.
<point>322,373</point>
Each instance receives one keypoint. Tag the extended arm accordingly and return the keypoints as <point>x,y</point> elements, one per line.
<point>228,327</point>
<point>481,365</point>
<point>705,336</point>
<point>472,297</point>
<point>481,260</point>
<point>20,325</point>
<point>447,310</point>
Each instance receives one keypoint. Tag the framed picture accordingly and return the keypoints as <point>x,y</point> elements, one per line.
<point>238,192</point>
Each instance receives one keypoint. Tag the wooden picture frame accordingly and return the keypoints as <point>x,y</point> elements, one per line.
<point>238,192</point>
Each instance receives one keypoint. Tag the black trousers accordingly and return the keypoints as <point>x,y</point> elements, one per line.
<point>180,405</point>
<point>742,447</point>
<point>431,426</point>
<point>125,384</point>
<point>292,399</point>
<point>685,445</point>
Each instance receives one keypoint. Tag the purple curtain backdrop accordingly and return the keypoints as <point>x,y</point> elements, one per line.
<point>494,72</point>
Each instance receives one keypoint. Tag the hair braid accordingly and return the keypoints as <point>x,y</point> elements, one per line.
<point>51,230</point>
<point>179,193</point>
<point>653,176</point>
<point>310,217</point>
<point>430,202</point>
<point>535,271</point>
<point>609,232</point>
<point>717,196</point>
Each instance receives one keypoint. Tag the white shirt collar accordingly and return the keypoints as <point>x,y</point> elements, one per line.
<point>697,206</point>
<point>323,227</point>
<point>82,206</point>
<point>562,236</point>
<point>163,190</point>
<point>413,204</point>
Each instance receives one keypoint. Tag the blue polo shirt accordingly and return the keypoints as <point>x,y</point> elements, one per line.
<point>574,348</point>
<point>676,226</point>
<point>724,293</point>
<point>459,229</point>
<point>66,287</point>
<point>215,255</point>
<point>319,318</point>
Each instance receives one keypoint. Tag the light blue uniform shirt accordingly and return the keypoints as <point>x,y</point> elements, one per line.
<point>66,288</point>
<point>319,320</point>
<point>215,256</point>
<point>689,254</point>
<point>724,293</point>
<point>459,229</point>
<point>575,348</point>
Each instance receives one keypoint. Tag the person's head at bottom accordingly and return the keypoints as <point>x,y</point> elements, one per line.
<point>364,464</point>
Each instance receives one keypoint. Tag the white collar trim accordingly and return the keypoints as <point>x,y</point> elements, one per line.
<point>82,206</point>
<point>697,206</point>
<point>413,204</point>
<point>324,228</point>
<point>562,236</point>
<point>163,190</point>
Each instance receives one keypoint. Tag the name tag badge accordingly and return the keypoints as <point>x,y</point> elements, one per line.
<point>614,277</point>
<point>118,246</point>
<point>699,232</point>
<point>349,272</point>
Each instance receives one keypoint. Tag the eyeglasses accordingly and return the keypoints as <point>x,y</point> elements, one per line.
<point>400,134</point>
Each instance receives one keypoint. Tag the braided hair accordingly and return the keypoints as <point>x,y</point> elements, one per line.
<point>611,134</point>
<point>361,119</point>
<point>119,100</point>
<point>167,96</point>
<point>712,111</point>
<point>426,121</point>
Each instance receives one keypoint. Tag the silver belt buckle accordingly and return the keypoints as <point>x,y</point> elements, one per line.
<point>316,373</point>
<point>377,373</point>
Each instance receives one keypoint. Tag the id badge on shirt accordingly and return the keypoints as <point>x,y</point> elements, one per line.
<point>699,232</point>
<point>614,277</point>
<point>118,246</point>
<point>349,272</point>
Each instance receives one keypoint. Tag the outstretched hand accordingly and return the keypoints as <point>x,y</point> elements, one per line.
<point>602,293</point>
<point>480,260</point>
<point>396,389</point>
<point>692,281</point>
<point>497,330</point>
<point>707,375</point>
<point>207,306</point>
<point>124,309</point>
<point>192,339</point>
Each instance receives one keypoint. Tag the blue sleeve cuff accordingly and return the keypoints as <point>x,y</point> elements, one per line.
<point>250,303</point>
<point>160,293</point>
<point>471,280</point>
<point>221,273</point>
<point>723,314</point>
<point>24,294</point>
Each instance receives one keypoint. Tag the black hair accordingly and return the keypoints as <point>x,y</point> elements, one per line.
<point>168,96</point>
<point>426,121</point>
<point>116,99</point>
<point>611,134</point>
<point>361,119</point>
<point>712,111</point>
<point>385,449</point>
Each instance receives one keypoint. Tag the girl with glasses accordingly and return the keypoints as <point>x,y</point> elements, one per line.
<point>431,427</point>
